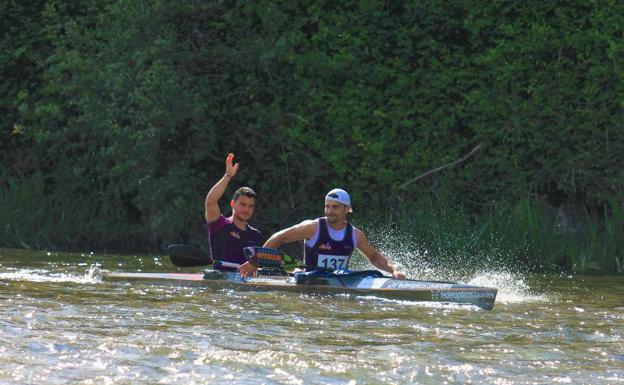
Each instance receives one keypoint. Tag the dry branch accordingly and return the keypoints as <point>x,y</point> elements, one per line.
<point>460,160</point>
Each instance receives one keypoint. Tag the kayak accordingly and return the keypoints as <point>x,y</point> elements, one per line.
<point>359,283</point>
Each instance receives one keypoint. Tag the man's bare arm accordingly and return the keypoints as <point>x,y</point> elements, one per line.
<point>216,192</point>
<point>298,232</point>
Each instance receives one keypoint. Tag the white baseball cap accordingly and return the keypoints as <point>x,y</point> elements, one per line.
<point>339,195</point>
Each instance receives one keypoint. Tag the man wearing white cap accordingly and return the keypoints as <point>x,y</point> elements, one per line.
<point>330,240</point>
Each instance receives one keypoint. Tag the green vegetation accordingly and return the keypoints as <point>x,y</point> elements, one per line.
<point>115,119</point>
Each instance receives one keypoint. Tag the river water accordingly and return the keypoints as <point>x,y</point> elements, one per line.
<point>60,324</point>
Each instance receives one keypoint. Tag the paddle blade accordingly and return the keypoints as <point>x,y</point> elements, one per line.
<point>188,256</point>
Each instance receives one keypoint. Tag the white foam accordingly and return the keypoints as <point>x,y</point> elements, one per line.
<point>38,275</point>
<point>512,288</point>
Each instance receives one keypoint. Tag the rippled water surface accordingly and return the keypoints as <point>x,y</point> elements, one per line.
<point>60,324</point>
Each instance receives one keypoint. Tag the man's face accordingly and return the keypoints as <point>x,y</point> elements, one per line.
<point>243,207</point>
<point>335,212</point>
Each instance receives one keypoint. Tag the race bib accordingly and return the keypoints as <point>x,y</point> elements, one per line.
<point>333,262</point>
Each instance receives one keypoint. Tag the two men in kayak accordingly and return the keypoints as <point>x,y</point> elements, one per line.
<point>229,236</point>
<point>329,241</point>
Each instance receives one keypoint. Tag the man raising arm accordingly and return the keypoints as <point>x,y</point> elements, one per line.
<point>228,236</point>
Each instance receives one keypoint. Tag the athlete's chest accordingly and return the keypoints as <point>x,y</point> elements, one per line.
<point>246,238</point>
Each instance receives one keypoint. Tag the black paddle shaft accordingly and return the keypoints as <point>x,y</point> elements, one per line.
<point>188,256</point>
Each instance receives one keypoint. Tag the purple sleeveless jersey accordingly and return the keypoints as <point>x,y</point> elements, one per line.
<point>227,241</point>
<point>327,252</point>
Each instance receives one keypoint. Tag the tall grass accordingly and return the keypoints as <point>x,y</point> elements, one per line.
<point>22,206</point>
<point>30,217</point>
<point>606,237</point>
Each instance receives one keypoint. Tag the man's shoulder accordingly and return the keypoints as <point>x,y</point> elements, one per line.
<point>218,223</point>
<point>359,234</point>
<point>308,224</point>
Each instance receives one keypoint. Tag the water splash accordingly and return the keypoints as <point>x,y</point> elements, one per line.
<point>489,268</point>
<point>92,275</point>
<point>512,287</point>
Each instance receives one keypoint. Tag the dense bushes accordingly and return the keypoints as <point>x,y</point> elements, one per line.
<point>126,111</point>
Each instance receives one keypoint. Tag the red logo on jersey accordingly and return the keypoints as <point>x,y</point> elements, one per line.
<point>325,246</point>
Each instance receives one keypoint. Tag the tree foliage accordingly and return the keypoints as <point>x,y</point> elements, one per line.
<point>125,110</point>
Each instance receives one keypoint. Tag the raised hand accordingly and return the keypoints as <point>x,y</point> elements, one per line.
<point>230,170</point>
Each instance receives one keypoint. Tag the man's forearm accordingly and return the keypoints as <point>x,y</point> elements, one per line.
<point>274,242</point>
<point>381,262</point>
<point>216,192</point>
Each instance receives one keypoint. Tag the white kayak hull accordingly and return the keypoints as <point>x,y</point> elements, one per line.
<point>385,287</point>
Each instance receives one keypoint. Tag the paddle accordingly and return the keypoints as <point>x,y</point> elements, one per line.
<point>191,256</point>
<point>188,256</point>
